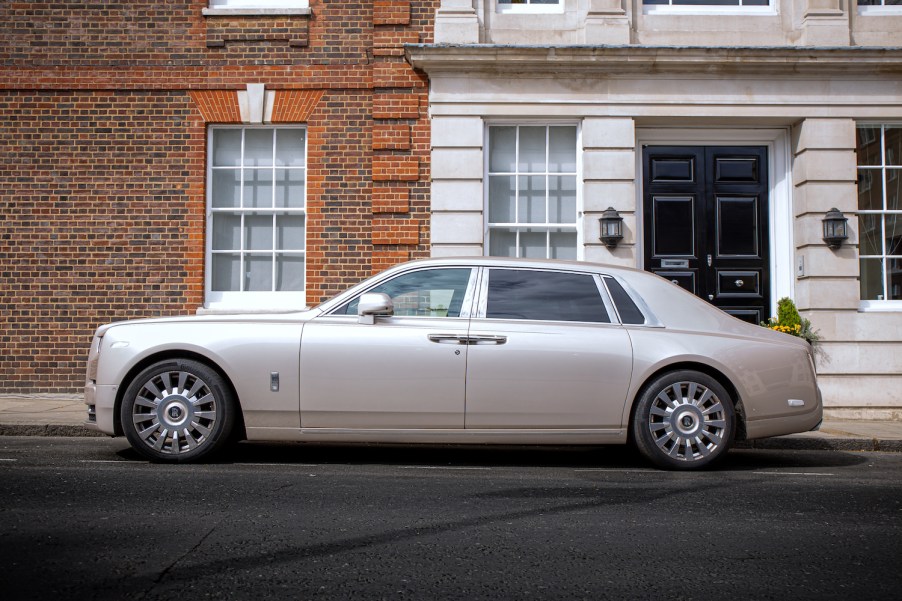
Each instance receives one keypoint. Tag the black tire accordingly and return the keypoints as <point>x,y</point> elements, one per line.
<point>178,411</point>
<point>683,420</point>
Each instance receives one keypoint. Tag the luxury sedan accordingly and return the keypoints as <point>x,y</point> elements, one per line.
<point>468,350</point>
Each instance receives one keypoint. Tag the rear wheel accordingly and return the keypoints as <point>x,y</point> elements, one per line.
<point>684,420</point>
<point>178,411</point>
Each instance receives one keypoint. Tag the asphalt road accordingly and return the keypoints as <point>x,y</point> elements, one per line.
<point>86,519</point>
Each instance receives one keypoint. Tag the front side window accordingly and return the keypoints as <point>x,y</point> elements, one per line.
<point>545,296</point>
<point>256,189</point>
<point>424,293</point>
<point>879,150</point>
<point>532,200</point>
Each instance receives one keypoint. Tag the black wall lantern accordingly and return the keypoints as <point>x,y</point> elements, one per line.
<point>611,227</point>
<point>835,230</point>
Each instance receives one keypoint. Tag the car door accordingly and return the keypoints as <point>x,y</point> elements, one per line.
<point>404,371</point>
<point>544,353</point>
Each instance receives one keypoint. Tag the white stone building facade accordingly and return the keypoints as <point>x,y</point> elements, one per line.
<point>721,133</point>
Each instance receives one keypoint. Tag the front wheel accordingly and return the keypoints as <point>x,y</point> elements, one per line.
<point>684,420</point>
<point>178,411</point>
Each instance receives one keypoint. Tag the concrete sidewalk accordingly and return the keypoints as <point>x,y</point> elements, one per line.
<point>64,415</point>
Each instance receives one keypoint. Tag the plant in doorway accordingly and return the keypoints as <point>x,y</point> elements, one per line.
<point>790,322</point>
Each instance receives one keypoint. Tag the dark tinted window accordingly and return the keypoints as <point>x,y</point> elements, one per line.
<point>544,295</point>
<point>629,312</point>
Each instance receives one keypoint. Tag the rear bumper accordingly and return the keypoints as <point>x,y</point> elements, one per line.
<point>805,419</point>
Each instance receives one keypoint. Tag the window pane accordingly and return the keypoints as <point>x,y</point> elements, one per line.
<point>562,199</point>
<point>259,273</point>
<point>290,147</point>
<point>629,312</point>
<point>532,200</point>
<point>502,149</point>
<point>870,189</point>
<point>532,150</point>
<point>893,234</point>
<point>225,192</point>
<point>290,188</point>
<point>893,189</point>
<point>872,279</point>
<point>259,232</point>
<point>894,279</point>
<point>544,295</point>
<point>893,136</point>
<point>870,235</point>
<point>563,245</point>
<point>533,244</point>
<point>562,149</point>
<point>258,147</point>
<point>502,195</point>
<point>227,147</point>
<point>503,243</point>
<point>226,232</point>
<point>430,292</point>
<point>291,231</point>
<point>290,273</point>
<point>226,273</point>
<point>258,189</point>
<point>868,148</point>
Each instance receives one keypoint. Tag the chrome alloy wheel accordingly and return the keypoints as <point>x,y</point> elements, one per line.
<point>174,412</point>
<point>687,421</point>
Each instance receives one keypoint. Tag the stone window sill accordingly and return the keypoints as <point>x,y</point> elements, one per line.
<point>257,12</point>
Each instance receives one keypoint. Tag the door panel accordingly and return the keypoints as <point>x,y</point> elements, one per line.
<point>706,224</point>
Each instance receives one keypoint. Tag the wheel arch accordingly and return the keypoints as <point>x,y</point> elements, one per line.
<point>708,370</point>
<point>171,355</point>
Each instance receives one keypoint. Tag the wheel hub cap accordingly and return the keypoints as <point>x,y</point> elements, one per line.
<point>174,412</point>
<point>687,421</point>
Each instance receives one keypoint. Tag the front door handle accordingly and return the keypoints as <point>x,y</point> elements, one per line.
<point>447,339</point>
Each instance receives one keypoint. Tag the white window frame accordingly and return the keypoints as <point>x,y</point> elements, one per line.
<point>261,301</point>
<point>578,224</point>
<point>530,8</point>
<point>256,7</point>
<point>700,9</point>
<point>883,170</point>
<point>868,10</point>
<point>259,3</point>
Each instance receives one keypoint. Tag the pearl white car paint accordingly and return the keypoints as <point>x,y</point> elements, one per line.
<point>316,375</point>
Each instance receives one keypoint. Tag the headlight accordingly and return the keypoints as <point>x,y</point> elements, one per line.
<point>94,358</point>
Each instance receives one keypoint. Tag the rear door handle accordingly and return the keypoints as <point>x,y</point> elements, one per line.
<point>488,339</point>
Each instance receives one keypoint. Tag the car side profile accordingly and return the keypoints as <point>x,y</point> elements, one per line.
<point>464,350</point>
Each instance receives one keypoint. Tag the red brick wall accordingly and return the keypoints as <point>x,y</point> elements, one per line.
<point>103,116</point>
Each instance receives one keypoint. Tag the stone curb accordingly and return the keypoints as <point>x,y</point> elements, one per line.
<point>47,430</point>
<point>798,443</point>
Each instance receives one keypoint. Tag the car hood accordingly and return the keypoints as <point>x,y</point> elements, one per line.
<point>286,317</point>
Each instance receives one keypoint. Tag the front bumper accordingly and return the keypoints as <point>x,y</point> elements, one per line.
<point>101,402</point>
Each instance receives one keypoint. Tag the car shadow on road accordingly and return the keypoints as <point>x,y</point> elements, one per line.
<point>614,457</point>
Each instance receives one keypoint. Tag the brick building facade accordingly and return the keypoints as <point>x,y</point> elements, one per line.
<point>107,113</point>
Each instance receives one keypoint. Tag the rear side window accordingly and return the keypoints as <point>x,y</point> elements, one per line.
<point>544,295</point>
<point>629,312</point>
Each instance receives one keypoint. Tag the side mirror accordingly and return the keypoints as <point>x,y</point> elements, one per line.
<point>372,304</point>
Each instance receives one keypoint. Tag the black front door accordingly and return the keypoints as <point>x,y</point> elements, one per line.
<point>706,223</point>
